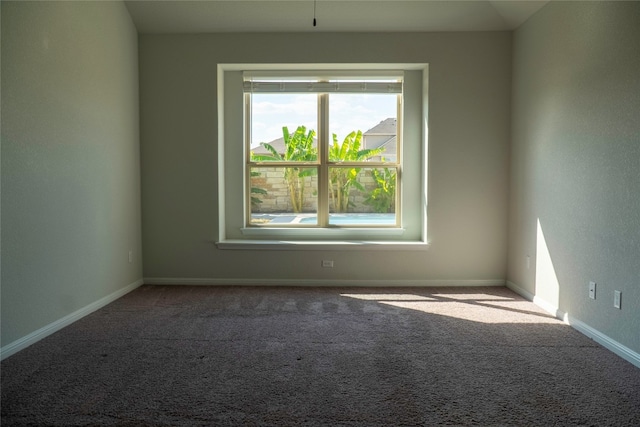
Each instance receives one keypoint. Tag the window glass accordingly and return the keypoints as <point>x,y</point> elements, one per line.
<point>275,117</point>
<point>362,196</point>
<point>373,116</point>
<point>281,196</point>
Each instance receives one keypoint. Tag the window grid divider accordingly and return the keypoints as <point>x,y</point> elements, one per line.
<point>323,171</point>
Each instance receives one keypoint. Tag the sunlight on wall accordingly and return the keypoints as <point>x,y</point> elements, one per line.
<point>547,287</point>
<point>476,307</point>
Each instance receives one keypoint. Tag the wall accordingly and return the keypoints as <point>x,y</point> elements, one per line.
<point>469,104</point>
<point>575,170</point>
<point>70,160</point>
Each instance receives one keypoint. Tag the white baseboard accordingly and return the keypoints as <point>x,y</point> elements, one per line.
<point>49,329</point>
<point>520,291</point>
<point>625,352</point>
<point>318,282</point>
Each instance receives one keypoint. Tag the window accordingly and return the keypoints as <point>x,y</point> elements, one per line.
<point>316,154</point>
<point>322,152</point>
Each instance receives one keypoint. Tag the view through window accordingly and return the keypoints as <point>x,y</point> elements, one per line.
<point>323,152</point>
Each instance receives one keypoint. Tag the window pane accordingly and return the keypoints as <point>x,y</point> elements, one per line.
<point>374,115</point>
<point>270,113</point>
<point>362,196</point>
<point>283,196</point>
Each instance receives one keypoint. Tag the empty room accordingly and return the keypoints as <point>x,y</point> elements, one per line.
<point>320,212</point>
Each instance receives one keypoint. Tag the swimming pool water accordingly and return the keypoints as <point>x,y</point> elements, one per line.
<point>355,219</point>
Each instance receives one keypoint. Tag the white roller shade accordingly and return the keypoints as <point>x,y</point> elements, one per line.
<point>321,87</point>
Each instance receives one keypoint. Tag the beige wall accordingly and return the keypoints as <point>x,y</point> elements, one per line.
<point>469,107</point>
<point>575,170</point>
<point>70,159</point>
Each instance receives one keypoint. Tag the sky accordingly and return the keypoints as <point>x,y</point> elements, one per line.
<point>347,112</point>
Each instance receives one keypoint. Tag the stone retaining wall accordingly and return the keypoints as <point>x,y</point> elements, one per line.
<point>277,198</point>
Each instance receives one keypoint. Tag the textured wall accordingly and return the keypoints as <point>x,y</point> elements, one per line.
<point>575,170</point>
<point>469,88</point>
<point>70,159</point>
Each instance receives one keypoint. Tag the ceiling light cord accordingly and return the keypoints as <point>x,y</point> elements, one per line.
<point>314,13</point>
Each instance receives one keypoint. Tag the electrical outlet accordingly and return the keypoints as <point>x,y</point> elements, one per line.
<point>617,296</point>
<point>327,263</point>
<point>592,290</point>
<point>130,256</point>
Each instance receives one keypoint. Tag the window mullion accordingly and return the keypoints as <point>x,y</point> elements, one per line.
<point>323,155</point>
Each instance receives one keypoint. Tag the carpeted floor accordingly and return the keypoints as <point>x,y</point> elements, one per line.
<point>264,356</point>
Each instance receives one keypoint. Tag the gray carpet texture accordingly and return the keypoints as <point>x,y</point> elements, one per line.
<point>295,356</point>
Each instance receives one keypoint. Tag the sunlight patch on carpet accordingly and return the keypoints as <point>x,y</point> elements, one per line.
<point>388,297</point>
<point>478,307</point>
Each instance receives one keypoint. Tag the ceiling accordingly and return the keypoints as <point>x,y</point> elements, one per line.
<point>206,16</point>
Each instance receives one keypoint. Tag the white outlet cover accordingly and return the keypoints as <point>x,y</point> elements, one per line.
<point>592,290</point>
<point>617,297</point>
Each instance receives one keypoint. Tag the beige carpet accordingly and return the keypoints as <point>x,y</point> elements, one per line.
<point>264,356</point>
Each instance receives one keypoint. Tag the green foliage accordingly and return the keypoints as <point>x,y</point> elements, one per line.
<point>342,179</point>
<point>298,147</point>
<point>383,197</point>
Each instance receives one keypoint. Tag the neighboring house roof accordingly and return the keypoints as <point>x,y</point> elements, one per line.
<point>385,127</point>
<point>383,135</point>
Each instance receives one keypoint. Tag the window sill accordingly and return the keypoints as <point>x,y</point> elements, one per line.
<point>335,245</point>
<point>336,233</point>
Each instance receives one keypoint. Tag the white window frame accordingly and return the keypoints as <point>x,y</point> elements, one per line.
<point>232,155</point>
